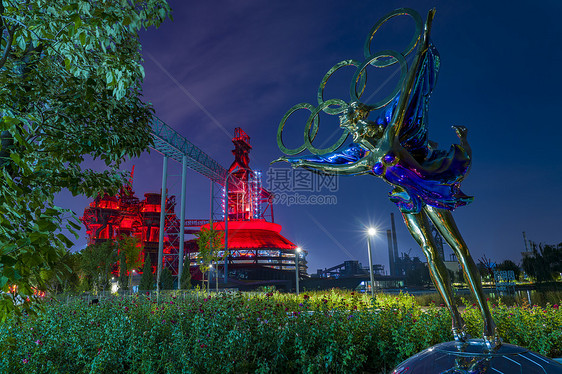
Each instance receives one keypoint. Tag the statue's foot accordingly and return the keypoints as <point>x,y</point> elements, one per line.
<point>460,335</point>
<point>458,327</point>
<point>491,337</point>
<point>492,342</point>
<point>461,131</point>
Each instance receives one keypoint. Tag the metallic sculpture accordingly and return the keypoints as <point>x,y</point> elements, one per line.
<point>394,146</point>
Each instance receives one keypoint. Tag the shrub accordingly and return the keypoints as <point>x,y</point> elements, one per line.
<point>147,278</point>
<point>185,281</point>
<point>166,279</point>
<point>192,332</point>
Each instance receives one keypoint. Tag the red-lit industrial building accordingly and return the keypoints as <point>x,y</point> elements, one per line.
<point>258,253</point>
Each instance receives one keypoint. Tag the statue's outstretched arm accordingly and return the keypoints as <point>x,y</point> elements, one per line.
<point>353,168</point>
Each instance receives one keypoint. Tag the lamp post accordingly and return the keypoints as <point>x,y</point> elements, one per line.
<point>297,255</point>
<point>371,232</point>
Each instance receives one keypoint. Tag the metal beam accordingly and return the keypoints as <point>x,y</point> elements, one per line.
<point>170,143</point>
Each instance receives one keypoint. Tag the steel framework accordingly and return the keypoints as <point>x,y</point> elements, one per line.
<point>154,219</point>
<point>170,143</point>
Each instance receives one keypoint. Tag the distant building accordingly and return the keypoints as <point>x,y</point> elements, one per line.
<point>259,254</point>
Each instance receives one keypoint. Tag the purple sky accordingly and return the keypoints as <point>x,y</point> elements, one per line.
<point>226,64</point>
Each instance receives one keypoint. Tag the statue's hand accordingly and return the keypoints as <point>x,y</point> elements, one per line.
<point>461,131</point>
<point>280,159</point>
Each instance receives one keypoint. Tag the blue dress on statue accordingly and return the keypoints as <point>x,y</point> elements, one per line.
<point>437,183</point>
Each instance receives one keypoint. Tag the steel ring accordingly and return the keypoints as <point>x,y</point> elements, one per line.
<point>370,61</point>
<point>280,144</point>
<point>334,68</point>
<point>314,118</point>
<point>398,12</point>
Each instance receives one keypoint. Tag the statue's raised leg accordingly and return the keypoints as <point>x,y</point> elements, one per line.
<point>445,224</point>
<point>420,228</point>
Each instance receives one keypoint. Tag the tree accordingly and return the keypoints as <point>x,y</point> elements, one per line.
<point>70,77</point>
<point>185,280</point>
<point>64,276</point>
<point>210,245</point>
<point>544,263</point>
<point>486,267</point>
<point>417,273</point>
<point>166,279</point>
<point>147,278</point>
<point>97,261</point>
<point>123,279</point>
<point>130,246</point>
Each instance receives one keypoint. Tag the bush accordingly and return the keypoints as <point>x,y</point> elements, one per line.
<point>147,278</point>
<point>166,279</point>
<point>185,281</point>
<point>191,332</point>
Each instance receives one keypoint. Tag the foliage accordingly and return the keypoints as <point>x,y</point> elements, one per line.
<point>210,247</point>
<point>132,249</point>
<point>130,245</point>
<point>518,299</point>
<point>64,275</point>
<point>123,279</point>
<point>185,280</point>
<point>147,278</point>
<point>97,261</point>
<point>486,268</point>
<point>166,279</point>
<point>70,82</point>
<point>417,273</point>
<point>544,263</point>
<point>209,244</point>
<point>335,332</point>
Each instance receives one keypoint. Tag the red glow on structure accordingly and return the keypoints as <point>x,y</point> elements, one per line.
<point>253,234</point>
<point>151,208</point>
<point>254,244</point>
<point>109,217</point>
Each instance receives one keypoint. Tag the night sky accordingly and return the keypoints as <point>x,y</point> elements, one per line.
<point>226,64</point>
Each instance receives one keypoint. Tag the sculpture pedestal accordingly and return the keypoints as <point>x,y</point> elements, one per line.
<point>472,358</point>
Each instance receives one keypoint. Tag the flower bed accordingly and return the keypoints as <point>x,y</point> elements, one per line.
<point>332,332</point>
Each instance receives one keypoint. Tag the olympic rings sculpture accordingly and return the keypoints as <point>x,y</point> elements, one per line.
<point>357,86</point>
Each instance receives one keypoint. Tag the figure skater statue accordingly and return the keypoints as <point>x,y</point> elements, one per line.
<point>395,147</point>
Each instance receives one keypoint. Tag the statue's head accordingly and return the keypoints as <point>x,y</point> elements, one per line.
<point>352,118</point>
<point>355,121</point>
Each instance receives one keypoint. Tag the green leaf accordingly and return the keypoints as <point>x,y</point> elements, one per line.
<point>74,225</point>
<point>7,261</point>
<point>87,95</point>
<point>3,281</point>
<point>67,242</point>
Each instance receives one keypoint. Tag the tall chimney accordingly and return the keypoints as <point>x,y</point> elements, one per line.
<point>391,262</point>
<point>394,241</point>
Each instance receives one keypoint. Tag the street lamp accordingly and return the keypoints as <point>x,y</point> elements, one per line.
<point>371,232</point>
<point>297,255</point>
